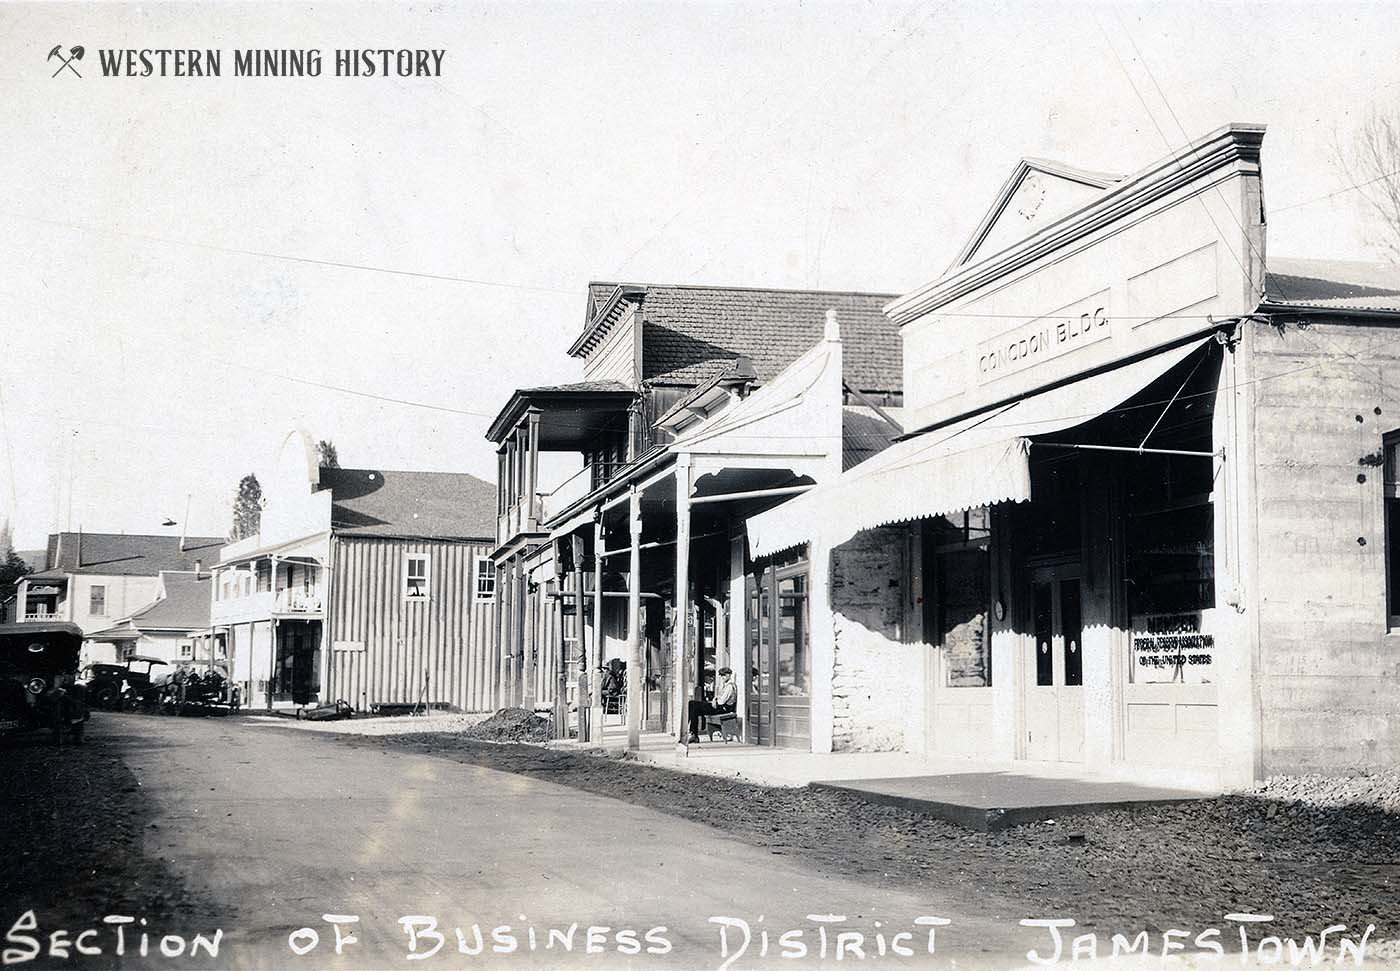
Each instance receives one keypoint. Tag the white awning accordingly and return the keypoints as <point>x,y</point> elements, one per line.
<point>975,462</point>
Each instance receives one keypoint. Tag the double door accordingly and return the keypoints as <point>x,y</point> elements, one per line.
<point>1053,666</point>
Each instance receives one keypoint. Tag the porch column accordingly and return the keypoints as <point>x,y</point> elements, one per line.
<point>680,634</point>
<point>584,698</point>
<point>595,657</point>
<point>822,643</point>
<point>634,624</point>
<point>532,468</point>
<point>529,643</point>
<point>738,631</point>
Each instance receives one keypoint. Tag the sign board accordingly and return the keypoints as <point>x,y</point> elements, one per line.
<point>1172,649</point>
<point>348,647</point>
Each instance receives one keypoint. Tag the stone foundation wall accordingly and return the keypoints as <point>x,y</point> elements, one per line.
<point>874,680</point>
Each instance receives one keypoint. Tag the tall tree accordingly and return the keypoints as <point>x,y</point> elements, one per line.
<point>247,508</point>
<point>12,567</point>
<point>1372,165</point>
<point>325,448</point>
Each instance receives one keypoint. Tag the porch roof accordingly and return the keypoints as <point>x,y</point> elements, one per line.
<point>977,461</point>
<point>573,413</point>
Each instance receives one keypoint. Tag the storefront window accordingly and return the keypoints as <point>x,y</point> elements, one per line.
<point>959,608</point>
<point>793,661</point>
<point>1171,570</point>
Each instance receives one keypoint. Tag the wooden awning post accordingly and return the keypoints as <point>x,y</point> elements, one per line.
<point>634,625</point>
<point>680,631</point>
<point>595,676</point>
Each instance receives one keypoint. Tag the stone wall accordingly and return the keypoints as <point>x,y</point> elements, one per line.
<point>874,680</point>
<point>1328,670</point>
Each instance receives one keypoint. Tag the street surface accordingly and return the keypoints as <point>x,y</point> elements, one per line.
<point>278,828</point>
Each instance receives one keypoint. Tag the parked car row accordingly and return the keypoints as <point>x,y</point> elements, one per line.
<point>153,684</point>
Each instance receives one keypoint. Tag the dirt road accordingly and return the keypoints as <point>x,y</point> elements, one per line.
<point>267,830</point>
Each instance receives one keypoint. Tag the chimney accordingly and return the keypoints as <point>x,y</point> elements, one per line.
<point>80,546</point>
<point>833,327</point>
<point>198,568</point>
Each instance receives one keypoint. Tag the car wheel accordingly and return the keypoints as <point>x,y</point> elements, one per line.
<point>107,696</point>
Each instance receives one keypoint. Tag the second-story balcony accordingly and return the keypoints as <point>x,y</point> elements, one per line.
<point>562,418</point>
<point>299,601</point>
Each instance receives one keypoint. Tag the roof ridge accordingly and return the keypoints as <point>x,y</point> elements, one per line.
<point>751,289</point>
<point>405,472</point>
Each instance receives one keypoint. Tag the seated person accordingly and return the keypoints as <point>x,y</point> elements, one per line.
<point>726,695</point>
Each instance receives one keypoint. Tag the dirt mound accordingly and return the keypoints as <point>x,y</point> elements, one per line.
<point>511,725</point>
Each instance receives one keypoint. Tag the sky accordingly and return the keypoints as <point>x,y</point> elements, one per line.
<point>191,267</point>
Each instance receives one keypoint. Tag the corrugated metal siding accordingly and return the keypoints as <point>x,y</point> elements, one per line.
<point>449,640</point>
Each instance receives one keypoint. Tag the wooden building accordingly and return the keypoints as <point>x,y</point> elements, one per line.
<point>699,406</point>
<point>370,586</point>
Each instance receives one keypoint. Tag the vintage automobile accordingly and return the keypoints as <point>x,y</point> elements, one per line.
<point>39,690</point>
<point>185,689</point>
<point>122,685</point>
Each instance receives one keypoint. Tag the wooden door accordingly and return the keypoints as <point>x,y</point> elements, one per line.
<point>1053,667</point>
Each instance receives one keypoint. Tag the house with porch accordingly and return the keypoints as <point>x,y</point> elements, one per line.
<point>96,579</point>
<point>699,406</point>
<point>174,627</point>
<point>1147,495</point>
<point>370,586</point>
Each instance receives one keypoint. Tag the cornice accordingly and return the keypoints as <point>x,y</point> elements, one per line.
<point>601,322</point>
<point>1234,143</point>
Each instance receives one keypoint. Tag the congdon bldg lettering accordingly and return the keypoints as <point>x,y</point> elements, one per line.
<point>1153,541</point>
<point>1039,340</point>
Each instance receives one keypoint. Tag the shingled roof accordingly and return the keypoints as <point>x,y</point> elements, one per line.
<point>692,333</point>
<point>121,554</point>
<point>185,605</point>
<point>429,505</point>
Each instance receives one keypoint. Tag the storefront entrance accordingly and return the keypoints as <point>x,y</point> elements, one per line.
<point>779,657</point>
<point>297,671</point>
<point>1053,666</point>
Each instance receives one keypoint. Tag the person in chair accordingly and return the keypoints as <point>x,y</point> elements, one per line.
<point>726,694</point>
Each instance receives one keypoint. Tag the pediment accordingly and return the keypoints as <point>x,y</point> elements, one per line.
<point>1037,193</point>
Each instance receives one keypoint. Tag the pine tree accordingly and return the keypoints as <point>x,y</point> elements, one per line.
<point>325,448</point>
<point>247,508</point>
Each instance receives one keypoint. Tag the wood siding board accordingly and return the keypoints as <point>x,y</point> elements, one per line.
<point>448,637</point>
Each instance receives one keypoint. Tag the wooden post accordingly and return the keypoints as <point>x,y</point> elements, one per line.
<point>532,469</point>
<point>634,625</point>
<point>529,644</point>
<point>595,680</point>
<point>680,633</point>
<point>584,698</point>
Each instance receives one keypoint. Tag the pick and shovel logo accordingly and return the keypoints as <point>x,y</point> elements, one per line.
<point>74,54</point>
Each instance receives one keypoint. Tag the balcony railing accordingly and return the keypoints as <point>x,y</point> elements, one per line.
<point>516,519</point>
<point>299,601</point>
<point>40,616</point>
<point>566,493</point>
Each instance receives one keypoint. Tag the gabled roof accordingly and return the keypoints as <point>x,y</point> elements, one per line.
<point>691,333</point>
<point>1058,171</point>
<point>121,554</point>
<point>185,605</point>
<point>1333,285</point>
<point>426,505</point>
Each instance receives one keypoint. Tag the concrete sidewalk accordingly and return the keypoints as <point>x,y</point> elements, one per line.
<point>978,794</point>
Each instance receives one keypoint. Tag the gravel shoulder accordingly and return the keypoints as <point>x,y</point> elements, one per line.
<point>1311,853</point>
